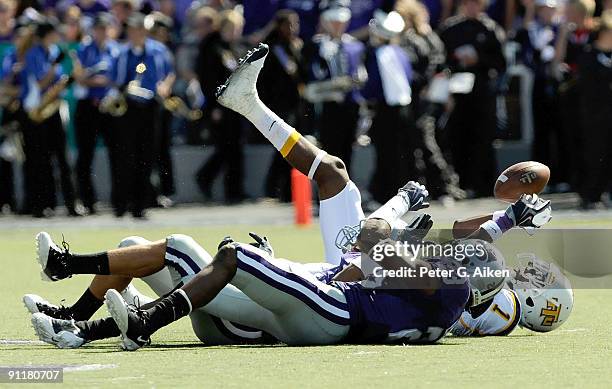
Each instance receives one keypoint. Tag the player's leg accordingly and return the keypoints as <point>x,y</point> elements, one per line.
<point>340,198</point>
<point>239,94</point>
<point>302,309</point>
<point>133,261</point>
<point>93,297</point>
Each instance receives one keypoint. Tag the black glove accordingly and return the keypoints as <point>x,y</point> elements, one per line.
<point>417,229</point>
<point>530,211</point>
<point>262,243</point>
<point>416,195</point>
<point>227,240</point>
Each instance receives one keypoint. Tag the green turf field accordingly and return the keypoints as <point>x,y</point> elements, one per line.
<point>579,354</point>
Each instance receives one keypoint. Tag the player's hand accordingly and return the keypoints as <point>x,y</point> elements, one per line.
<point>262,243</point>
<point>417,229</point>
<point>530,211</point>
<point>416,194</point>
<point>227,240</point>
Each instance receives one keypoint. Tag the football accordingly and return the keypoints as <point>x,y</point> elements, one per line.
<point>524,177</point>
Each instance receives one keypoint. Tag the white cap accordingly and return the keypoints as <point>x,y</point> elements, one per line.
<point>547,3</point>
<point>337,14</point>
<point>387,25</point>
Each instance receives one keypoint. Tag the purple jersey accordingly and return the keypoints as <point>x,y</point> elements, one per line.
<point>406,315</point>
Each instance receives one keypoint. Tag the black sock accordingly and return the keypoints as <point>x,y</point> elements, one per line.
<point>89,263</point>
<point>85,306</point>
<point>98,329</point>
<point>168,310</point>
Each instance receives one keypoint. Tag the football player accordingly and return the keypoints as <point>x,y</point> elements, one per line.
<point>285,300</point>
<point>537,297</point>
<point>336,183</point>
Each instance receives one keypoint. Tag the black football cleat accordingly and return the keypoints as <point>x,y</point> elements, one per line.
<point>35,304</point>
<point>132,321</point>
<point>53,260</point>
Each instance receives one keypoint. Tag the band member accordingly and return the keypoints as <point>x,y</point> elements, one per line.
<point>595,87</point>
<point>219,54</point>
<point>537,38</point>
<point>334,67</point>
<point>574,35</point>
<point>142,71</point>
<point>278,85</point>
<point>93,70</point>
<point>10,105</point>
<point>160,29</point>
<point>45,132</point>
<point>473,44</point>
<point>388,90</point>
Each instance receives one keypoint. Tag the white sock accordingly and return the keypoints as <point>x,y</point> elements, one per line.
<point>282,136</point>
<point>393,209</point>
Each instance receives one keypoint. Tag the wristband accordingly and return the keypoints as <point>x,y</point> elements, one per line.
<point>504,221</point>
<point>492,229</point>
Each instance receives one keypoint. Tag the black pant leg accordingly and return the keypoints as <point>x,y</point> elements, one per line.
<point>143,143</point>
<point>7,194</point>
<point>42,177</point>
<point>57,143</point>
<point>233,154</point>
<point>125,161</point>
<point>164,157</point>
<point>338,124</point>
<point>86,124</point>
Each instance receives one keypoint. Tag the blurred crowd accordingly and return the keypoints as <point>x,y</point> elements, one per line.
<point>429,84</point>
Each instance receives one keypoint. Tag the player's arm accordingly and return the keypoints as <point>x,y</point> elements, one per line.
<point>530,211</point>
<point>349,274</point>
<point>410,197</point>
<point>465,227</point>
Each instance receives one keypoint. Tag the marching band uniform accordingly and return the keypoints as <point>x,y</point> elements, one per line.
<point>537,41</point>
<point>472,121</point>
<point>216,61</point>
<point>136,138</point>
<point>595,87</point>
<point>7,75</point>
<point>48,138</point>
<point>89,121</point>
<point>327,60</point>
<point>393,130</point>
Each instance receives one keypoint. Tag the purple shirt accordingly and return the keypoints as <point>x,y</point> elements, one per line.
<point>394,315</point>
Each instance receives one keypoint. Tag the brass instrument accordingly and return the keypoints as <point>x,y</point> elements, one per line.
<point>179,108</point>
<point>50,101</point>
<point>113,104</point>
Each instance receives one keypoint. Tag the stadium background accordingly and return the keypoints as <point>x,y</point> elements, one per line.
<point>537,108</point>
